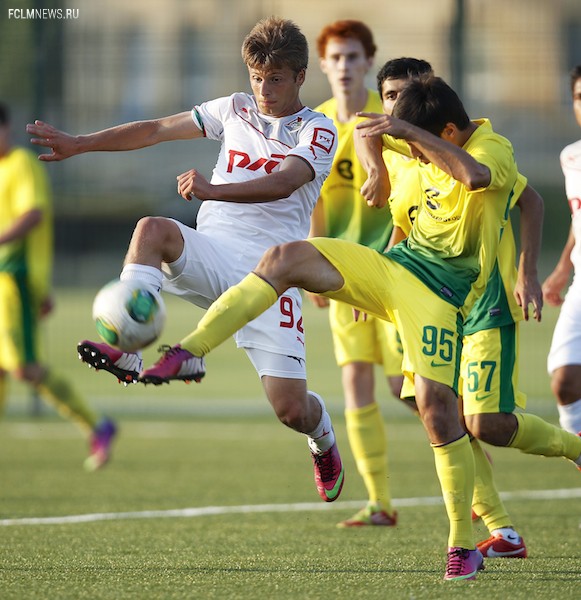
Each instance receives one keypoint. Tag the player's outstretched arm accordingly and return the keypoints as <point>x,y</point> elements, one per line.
<point>528,289</point>
<point>556,282</point>
<point>128,136</point>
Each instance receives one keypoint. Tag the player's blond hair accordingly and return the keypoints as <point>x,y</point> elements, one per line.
<point>275,43</point>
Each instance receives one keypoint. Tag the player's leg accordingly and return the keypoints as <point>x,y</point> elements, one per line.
<point>357,350</point>
<point>9,355</point>
<point>280,268</point>
<point>302,264</point>
<point>284,380</point>
<point>155,240</point>
<point>368,441</point>
<point>504,541</point>
<point>431,336</point>
<point>20,355</point>
<point>305,412</point>
<point>491,396</point>
<point>483,361</point>
<point>58,391</point>
<point>454,461</point>
<point>566,385</point>
<point>564,361</point>
<point>282,370</point>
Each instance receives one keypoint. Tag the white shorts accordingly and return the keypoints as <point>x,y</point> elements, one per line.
<point>208,267</point>
<point>566,344</point>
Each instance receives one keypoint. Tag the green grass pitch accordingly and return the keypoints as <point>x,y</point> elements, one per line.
<point>217,444</point>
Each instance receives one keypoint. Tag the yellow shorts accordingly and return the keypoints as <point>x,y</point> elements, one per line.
<point>371,341</point>
<point>18,324</point>
<point>489,371</point>
<point>429,327</point>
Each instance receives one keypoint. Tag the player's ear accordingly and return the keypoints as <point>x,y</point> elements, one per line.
<point>450,133</point>
<point>300,78</point>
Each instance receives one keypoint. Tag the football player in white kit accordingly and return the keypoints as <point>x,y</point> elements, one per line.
<point>275,154</point>
<point>564,361</point>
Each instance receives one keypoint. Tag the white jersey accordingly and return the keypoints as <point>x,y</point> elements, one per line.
<point>254,145</point>
<point>571,165</point>
<point>231,237</point>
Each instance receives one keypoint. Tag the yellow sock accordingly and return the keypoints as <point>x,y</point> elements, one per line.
<point>237,306</point>
<point>69,403</point>
<point>368,442</point>
<point>536,436</point>
<point>455,468</point>
<point>486,502</point>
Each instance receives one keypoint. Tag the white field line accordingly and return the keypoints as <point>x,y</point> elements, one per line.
<point>563,494</point>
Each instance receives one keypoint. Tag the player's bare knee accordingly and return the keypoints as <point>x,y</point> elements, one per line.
<point>152,229</point>
<point>475,427</point>
<point>496,429</point>
<point>146,227</point>
<point>276,266</point>
<point>157,235</point>
<point>292,415</point>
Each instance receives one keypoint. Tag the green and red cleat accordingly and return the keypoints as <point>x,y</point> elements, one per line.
<point>329,473</point>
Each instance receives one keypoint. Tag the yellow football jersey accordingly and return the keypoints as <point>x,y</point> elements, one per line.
<point>453,244</point>
<point>406,189</point>
<point>497,306</point>
<point>23,187</point>
<point>347,215</point>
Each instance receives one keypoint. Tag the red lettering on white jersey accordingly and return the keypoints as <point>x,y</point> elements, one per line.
<point>269,164</point>
<point>244,160</point>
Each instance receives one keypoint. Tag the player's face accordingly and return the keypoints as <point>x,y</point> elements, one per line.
<point>390,90</point>
<point>577,101</point>
<point>345,65</point>
<point>277,90</point>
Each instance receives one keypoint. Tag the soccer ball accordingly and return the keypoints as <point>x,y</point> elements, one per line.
<point>128,314</point>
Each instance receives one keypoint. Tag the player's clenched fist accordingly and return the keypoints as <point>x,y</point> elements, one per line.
<point>193,183</point>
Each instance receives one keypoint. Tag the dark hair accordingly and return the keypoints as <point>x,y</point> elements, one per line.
<point>347,29</point>
<point>574,75</point>
<point>4,114</point>
<point>430,103</point>
<point>403,68</point>
<point>275,43</point>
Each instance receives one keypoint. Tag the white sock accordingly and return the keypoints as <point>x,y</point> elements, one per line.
<point>150,275</point>
<point>570,416</point>
<point>322,437</point>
